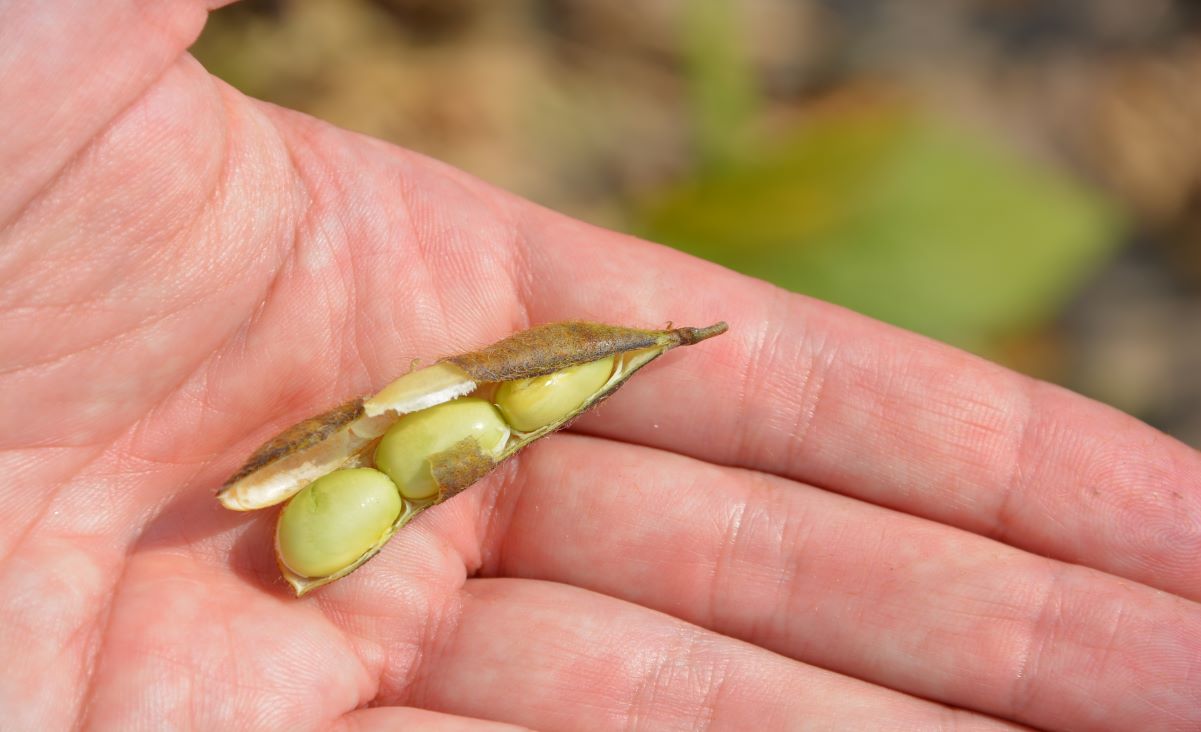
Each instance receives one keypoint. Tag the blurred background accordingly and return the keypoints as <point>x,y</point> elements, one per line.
<point>1021,178</point>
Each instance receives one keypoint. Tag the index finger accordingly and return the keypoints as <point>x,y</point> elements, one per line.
<point>813,392</point>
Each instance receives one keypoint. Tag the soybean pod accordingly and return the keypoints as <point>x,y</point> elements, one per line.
<point>353,476</point>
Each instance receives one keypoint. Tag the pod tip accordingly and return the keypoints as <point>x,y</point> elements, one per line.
<point>689,336</point>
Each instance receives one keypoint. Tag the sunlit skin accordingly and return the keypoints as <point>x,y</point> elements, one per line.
<point>813,519</point>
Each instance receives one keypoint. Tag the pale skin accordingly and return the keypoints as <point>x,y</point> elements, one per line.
<point>815,521</point>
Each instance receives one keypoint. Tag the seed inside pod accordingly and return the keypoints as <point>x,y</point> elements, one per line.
<point>335,520</point>
<point>530,404</point>
<point>433,432</point>
<point>404,452</point>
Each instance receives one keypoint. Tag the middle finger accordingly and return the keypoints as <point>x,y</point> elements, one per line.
<point>884,596</point>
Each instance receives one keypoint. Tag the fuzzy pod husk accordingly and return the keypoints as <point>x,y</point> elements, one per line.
<point>346,435</point>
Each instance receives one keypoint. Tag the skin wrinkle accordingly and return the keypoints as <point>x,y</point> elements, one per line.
<point>231,675</point>
<point>422,251</point>
<point>305,222</point>
<point>520,273</point>
<point>1107,650</point>
<point>714,697</point>
<point>644,699</point>
<point>374,670</point>
<point>436,635</point>
<point>131,455</point>
<point>201,394</point>
<point>85,632</point>
<point>51,498</point>
<point>350,325</point>
<point>509,246</point>
<point>68,312</point>
<point>518,269</point>
<point>202,224</point>
<point>756,368</point>
<point>52,493</point>
<point>196,370</point>
<point>438,239</point>
<point>947,721</point>
<point>795,537</point>
<point>958,720</point>
<point>143,518</point>
<point>758,492</point>
<point>112,341</point>
<point>94,634</point>
<point>91,661</point>
<point>378,719</point>
<point>880,568</point>
<point>432,637</point>
<point>698,670</point>
<point>151,318</point>
<point>204,402</point>
<point>944,416</point>
<point>969,432</point>
<point>509,242</point>
<point>1040,635</point>
<point>646,684</point>
<point>722,564</point>
<point>218,677</point>
<point>812,397</point>
<point>176,36</point>
<point>218,193</point>
<point>800,412</point>
<point>1003,517</point>
<point>352,356</point>
<point>497,520</point>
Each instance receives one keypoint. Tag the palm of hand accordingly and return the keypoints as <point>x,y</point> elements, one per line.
<point>198,270</point>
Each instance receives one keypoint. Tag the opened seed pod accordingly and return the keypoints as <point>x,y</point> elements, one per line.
<point>361,471</point>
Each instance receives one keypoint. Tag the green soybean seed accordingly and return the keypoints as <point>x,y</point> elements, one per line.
<point>531,404</point>
<point>336,519</point>
<point>407,446</point>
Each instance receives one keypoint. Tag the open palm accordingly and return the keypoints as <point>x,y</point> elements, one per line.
<point>186,271</point>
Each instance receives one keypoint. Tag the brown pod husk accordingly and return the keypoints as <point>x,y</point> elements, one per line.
<point>296,457</point>
<point>346,436</point>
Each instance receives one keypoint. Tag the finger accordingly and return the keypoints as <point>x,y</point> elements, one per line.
<point>556,657</point>
<point>386,719</point>
<point>810,391</point>
<point>841,584</point>
<point>410,629</point>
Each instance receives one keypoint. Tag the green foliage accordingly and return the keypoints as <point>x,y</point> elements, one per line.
<point>881,209</point>
<point>720,80</point>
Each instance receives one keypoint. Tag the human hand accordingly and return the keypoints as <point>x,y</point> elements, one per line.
<point>187,271</point>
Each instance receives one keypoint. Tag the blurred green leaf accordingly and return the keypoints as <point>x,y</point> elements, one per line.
<point>881,209</point>
<point>721,82</point>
